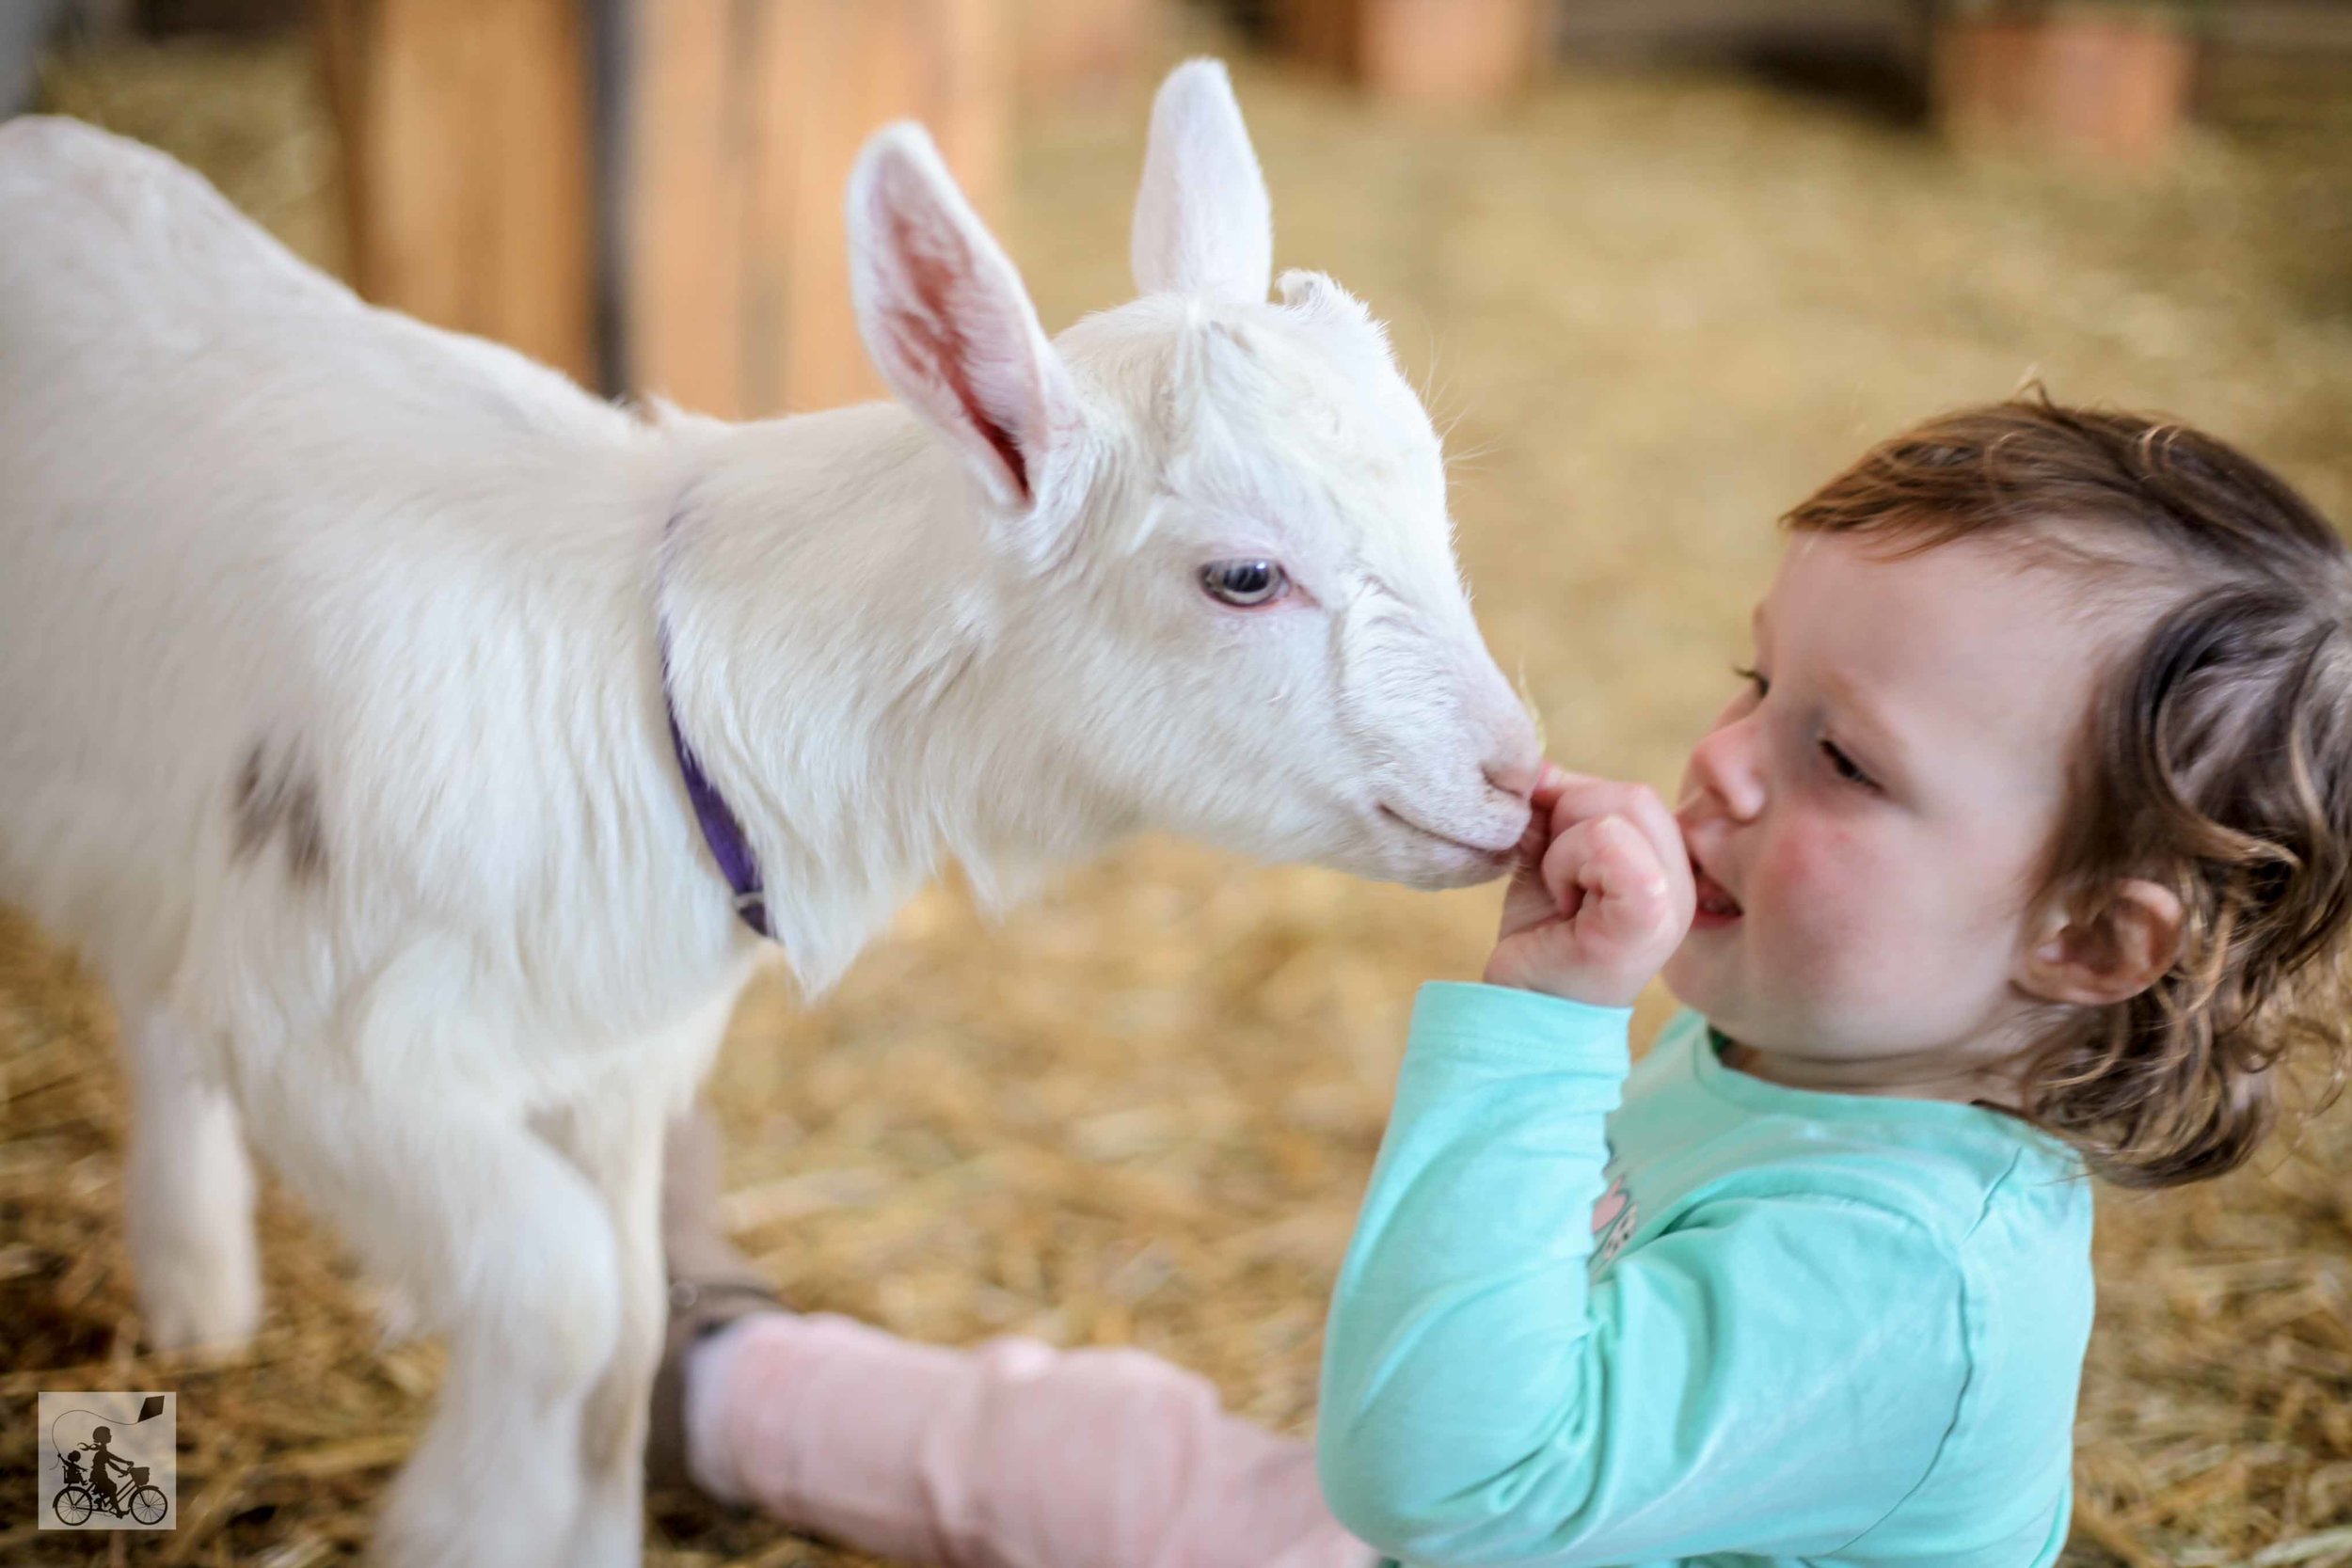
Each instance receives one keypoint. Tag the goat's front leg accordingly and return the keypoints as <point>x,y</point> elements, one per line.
<point>616,1138</point>
<point>513,1252</point>
<point>619,1148</point>
<point>500,1240</point>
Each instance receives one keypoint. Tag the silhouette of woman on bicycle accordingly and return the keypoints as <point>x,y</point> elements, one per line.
<point>81,1496</point>
<point>102,1459</point>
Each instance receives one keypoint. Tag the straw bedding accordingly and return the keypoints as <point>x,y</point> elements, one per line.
<point>1140,1110</point>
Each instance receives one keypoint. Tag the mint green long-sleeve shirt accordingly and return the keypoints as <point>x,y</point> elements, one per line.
<point>1725,1323</point>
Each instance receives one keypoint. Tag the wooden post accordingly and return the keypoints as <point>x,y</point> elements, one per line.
<point>2109,86</point>
<point>466,160</point>
<point>1429,51</point>
<point>747,115</point>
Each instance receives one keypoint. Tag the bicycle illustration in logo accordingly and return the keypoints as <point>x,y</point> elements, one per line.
<point>81,1496</point>
<point>97,1483</point>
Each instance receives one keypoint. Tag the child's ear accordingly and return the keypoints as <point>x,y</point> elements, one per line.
<point>2093,960</point>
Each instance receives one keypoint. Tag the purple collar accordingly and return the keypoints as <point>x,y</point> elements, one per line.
<point>722,829</point>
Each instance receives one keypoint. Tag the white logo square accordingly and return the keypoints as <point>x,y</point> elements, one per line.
<point>108,1462</point>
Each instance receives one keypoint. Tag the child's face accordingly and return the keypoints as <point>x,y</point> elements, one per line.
<point>1868,816</point>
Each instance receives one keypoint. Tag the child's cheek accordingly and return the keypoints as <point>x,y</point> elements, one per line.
<point>1824,908</point>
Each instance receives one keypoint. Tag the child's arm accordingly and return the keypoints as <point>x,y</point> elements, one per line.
<point>1733,1385</point>
<point>1726,1387</point>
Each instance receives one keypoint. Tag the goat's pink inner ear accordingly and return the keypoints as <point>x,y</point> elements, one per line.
<point>938,273</point>
<point>933,337</point>
<point>949,325</point>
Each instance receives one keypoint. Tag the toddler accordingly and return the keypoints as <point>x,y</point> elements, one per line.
<point>2021,854</point>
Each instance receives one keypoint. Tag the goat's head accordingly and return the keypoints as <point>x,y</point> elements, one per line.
<point>1223,519</point>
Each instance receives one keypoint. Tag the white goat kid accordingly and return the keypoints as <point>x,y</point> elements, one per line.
<point>333,726</point>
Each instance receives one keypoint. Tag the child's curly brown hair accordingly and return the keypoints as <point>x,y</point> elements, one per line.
<point>2216,762</point>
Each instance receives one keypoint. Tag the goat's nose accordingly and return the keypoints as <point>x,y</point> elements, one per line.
<point>1516,774</point>
<point>1505,732</point>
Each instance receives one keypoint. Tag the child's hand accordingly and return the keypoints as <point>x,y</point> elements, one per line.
<point>1602,897</point>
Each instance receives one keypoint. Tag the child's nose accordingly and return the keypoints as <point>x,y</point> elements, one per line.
<point>1726,766</point>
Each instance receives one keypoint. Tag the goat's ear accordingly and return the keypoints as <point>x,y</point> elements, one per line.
<point>1203,225</point>
<point>946,319</point>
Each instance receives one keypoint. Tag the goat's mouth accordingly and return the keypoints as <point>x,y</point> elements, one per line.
<point>1490,854</point>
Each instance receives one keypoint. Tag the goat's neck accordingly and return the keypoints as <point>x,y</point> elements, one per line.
<point>838,663</point>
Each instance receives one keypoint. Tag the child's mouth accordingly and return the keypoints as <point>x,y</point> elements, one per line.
<point>1717,908</point>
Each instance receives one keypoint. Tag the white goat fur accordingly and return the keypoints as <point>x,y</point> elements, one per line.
<point>331,719</point>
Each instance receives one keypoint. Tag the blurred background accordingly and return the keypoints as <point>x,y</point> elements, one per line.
<point>1661,266</point>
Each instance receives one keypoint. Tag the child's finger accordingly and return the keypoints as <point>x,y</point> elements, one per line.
<point>1527,900</point>
<point>1536,837</point>
<point>1658,825</point>
<point>1580,796</point>
<point>1640,805</point>
<point>1605,870</point>
<point>1549,778</point>
<point>1595,857</point>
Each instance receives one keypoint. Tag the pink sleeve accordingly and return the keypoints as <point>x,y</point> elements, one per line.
<point>1012,1455</point>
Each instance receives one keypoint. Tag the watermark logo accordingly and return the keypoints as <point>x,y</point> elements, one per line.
<point>109,1462</point>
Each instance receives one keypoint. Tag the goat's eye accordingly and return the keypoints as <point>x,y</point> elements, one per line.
<point>1246,583</point>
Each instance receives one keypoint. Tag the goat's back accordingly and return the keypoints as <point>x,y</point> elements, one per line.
<point>255,532</point>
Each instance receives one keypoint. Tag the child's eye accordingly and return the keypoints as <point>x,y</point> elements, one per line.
<point>1753,677</point>
<point>1846,767</point>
